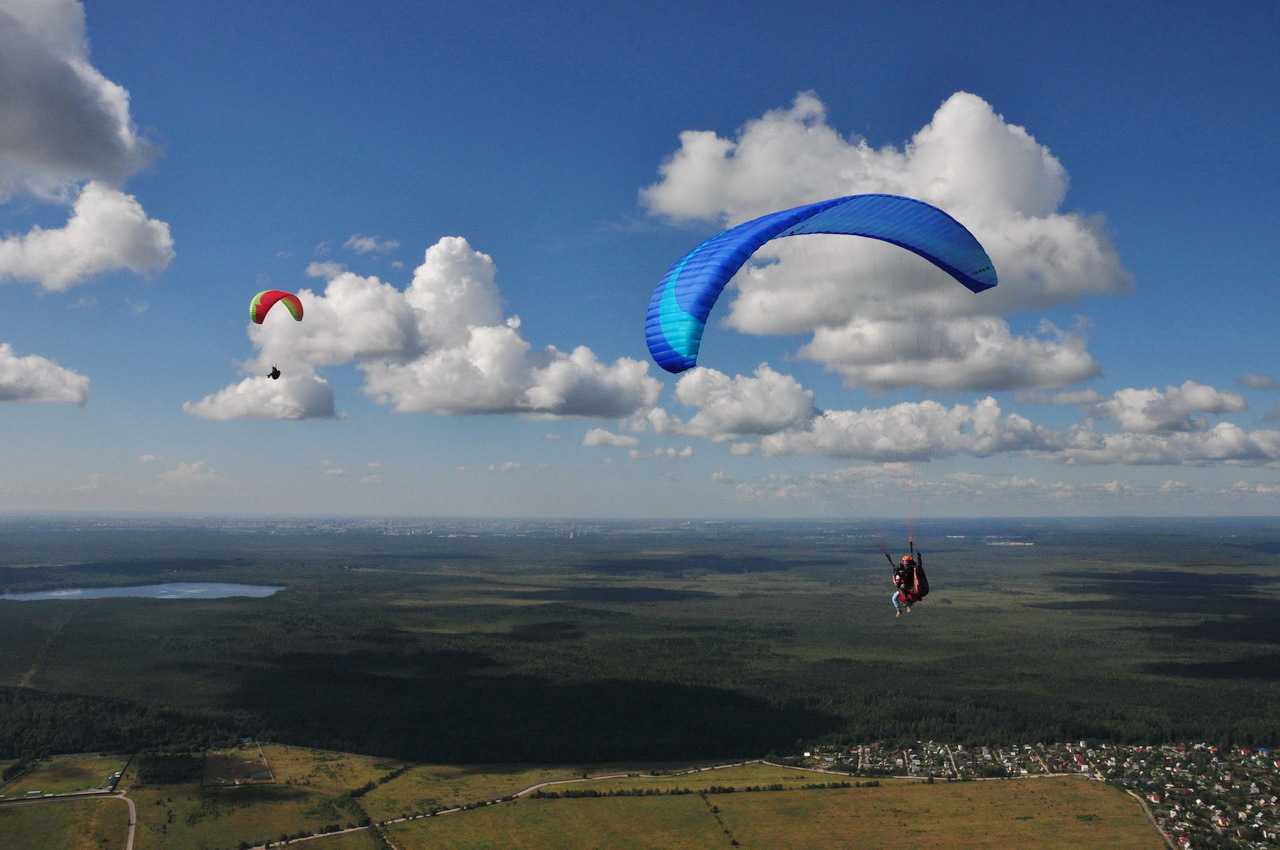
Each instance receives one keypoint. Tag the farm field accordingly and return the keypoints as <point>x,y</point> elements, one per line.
<point>64,774</point>
<point>674,806</point>
<point>309,793</point>
<point>1051,812</point>
<point>85,824</point>
<point>1054,812</point>
<point>425,788</point>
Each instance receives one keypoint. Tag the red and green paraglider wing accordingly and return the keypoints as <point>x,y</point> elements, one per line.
<point>268,298</point>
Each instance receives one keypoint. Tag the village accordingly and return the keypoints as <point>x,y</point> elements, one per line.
<point>1196,794</point>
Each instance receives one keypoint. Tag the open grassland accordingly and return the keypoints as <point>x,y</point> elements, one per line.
<point>362,840</point>
<point>93,824</point>
<point>184,817</point>
<point>427,788</point>
<point>63,774</point>
<point>669,823</point>
<point>322,770</point>
<point>674,807</point>
<point>700,779</point>
<point>311,792</point>
<point>1054,812</point>
<point>1063,812</point>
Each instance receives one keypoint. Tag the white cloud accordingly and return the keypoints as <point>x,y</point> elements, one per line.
<point>61,121</point>
<point>34,378</point>
<point>667,452</point>
<point>291,397</point>
<point>855,294</point>
<point>509,466</point>
<point>355,318</point>
<point>963,353</point>
<point>733,407</point>
<point>370,244</point>
<point>1161,427</point>
<point>1223,443</point>
<point>1255,381</point>
<point>324,269</point>
<point>1246,488</point>
<point>66,136</point>
<point>601,437</point>
<point>107,230</point>
<point>1150,410</point>
<point>912,431</point>
<point>443,346</point>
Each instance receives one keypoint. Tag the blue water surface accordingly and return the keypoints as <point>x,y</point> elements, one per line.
<point>171,590</point>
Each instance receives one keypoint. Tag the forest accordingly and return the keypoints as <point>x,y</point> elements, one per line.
<point>455,642</point>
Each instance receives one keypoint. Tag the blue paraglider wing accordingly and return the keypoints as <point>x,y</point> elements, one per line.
<point>680,305</point>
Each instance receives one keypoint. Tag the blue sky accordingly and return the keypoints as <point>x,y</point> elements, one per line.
<point>476,200</point>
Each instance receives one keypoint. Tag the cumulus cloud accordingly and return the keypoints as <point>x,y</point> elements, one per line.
<point>66,137</point>
<point>61,121</point>
<point>34,378</point>
<point>854,294</point>
<point>960,353</point>
<point>1150,410</point>
<point>728,408</point>
<point>601,437</point>
<point>259,397</point>
<point>1224,443</point>
<point>1160,426</point>
<point>771,414</point>
<point>912,431</point>
<point>443,345</point>
<point>107,230</point>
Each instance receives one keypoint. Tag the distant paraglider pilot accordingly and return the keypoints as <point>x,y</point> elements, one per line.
<point>274,374</point>
<point>909,583</point>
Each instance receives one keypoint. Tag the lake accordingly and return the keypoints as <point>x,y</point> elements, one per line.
<point>171,590</point>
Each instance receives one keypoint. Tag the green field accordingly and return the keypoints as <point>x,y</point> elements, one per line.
<point>426,788</point>
<point>667,806</point>
<point>1043,813</point>
<point>93,824</point>
<point>700,779</point>
<point>310,792</point>
<point>63,774</point>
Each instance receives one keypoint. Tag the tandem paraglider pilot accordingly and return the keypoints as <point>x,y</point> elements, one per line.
<point>909,584</point>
